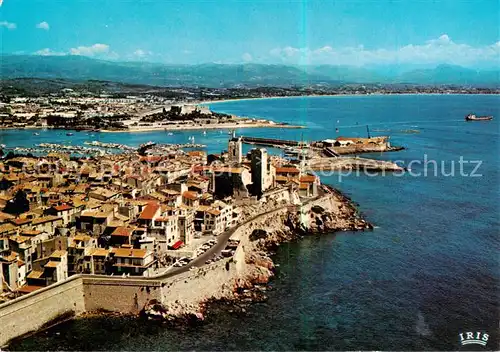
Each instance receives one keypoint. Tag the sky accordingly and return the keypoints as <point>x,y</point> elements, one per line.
<point>335,32</point>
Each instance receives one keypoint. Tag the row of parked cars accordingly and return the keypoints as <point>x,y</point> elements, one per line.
<point>206,246</point>
<point>230,249</point>
<point>182,261</point>
<point>214,258</point>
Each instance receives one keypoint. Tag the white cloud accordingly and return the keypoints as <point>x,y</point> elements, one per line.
<point>43,25</point>
<point>246,57</point>
<point>93,50</point>
<point>142,53</point>
<point>8,25</point>
<point>434,51</point>
<point>97,50</point>
<point>49,52</point>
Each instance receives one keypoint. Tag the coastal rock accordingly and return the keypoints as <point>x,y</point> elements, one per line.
<point>260,238</point>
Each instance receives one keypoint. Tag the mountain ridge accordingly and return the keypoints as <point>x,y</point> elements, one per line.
<point>233,75</point>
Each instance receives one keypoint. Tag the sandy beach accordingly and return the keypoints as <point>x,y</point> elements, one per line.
<point>209,102</point>
<point>205,127</point>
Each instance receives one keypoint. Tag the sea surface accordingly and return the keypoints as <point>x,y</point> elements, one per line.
<point>429,271</point>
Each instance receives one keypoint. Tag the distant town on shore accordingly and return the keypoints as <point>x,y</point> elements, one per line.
<point>94,105</point>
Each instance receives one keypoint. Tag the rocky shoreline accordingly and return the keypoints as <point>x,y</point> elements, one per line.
<point>331,212</point>
<point>263,241</point>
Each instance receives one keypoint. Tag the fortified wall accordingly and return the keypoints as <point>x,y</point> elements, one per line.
<point>87,293</point>
<point>31,312</point>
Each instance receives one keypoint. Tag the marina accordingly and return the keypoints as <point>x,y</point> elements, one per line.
<point>390,203</point>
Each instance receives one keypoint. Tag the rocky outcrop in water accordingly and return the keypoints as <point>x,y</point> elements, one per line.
<point>181,316</point>
<point>316,220</point>
<point>328,214</point>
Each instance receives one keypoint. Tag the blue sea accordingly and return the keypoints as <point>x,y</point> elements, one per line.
<point>427,272</point>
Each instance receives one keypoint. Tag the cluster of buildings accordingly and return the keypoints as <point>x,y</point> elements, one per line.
<point>38,111</point>
<point>128,214</point>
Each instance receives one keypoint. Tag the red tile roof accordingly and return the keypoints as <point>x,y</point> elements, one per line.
<point>122,231</point>
<point>190,195</point>
<point>63,207</point>
<point>287,170</point>
<point>308,179</point>
<point>214,212</point>
<point>20,221</point>
<point>129,252</point>
<point>149,211</point>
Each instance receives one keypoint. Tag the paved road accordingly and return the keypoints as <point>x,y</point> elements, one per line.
<point>200,260</point>
<point>222,241</point>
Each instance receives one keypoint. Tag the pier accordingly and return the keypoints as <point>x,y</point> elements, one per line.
<point>269,142</point>
<point>330,147</point>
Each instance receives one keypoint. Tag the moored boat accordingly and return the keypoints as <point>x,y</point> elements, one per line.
<point>473,117</point>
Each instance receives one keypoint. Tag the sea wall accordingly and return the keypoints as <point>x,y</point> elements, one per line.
<point>126,296</point>
<point>183,293</point>
<point>31,312</point>
<point>84,293</point>
<point>180,294</point>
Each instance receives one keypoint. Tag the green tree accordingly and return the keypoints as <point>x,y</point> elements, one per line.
<point>18,205</point>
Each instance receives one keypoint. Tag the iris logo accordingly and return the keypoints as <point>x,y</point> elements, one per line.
<point>473,338</point>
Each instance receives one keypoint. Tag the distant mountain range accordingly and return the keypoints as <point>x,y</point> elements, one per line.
<point>234,75</point>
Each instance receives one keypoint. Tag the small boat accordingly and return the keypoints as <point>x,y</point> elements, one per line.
<point>170,134</point>
<point>204,133</point>
<point>69,134</point>
<point>473,117</point>
<point>36,134</point>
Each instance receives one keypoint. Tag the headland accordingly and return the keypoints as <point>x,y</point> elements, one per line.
<point>158,232</point>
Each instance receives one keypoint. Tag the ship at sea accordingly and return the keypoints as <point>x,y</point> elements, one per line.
<point>473,117</point>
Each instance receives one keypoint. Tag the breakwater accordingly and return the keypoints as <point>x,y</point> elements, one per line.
<point>270,142</point>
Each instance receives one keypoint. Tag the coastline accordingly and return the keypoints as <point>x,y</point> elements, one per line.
<point>380,252</point>
<point>335,212</point>
<point>210,102</point>
<point>167,129</point>
<point>205,127</point>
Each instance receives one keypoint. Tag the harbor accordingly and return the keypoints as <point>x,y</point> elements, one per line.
<point>328,147</point>
<point>379,198</point>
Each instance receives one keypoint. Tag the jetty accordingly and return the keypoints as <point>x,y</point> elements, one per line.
<point>270,142</point>
<point>110,145</point>
<point>328,147</point>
